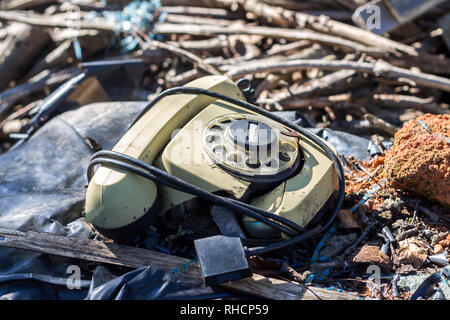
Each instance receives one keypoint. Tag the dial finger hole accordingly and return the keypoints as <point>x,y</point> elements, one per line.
<point>284,156</point>
<point>234,157</point>
<point>251,163</point>
<point>212,138</point>
<point>219,151</point>
<point>287,147</point>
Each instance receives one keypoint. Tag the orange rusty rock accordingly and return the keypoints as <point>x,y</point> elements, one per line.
<point>376,162</point>
<point>419,161</point>
<point>358,179</point>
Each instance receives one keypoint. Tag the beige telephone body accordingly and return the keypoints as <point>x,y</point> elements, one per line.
<point>219,147</point>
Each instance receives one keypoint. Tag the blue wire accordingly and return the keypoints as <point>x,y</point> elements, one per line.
<point>330,232</point>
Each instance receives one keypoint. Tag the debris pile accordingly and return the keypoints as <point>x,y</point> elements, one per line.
<point>403,234</point>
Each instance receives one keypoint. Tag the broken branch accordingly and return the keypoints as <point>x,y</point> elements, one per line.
<point>380,68</point>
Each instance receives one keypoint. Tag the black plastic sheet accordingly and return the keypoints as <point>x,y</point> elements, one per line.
<point>42,188</point>
<point>149,284</point>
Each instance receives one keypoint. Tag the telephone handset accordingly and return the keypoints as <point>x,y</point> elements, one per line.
<point>120,203</point>
<point>202,140</point>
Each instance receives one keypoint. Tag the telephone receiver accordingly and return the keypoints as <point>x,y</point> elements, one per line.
<point>205,140</point>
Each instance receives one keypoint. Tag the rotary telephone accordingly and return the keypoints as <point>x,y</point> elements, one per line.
<point>206,140</point>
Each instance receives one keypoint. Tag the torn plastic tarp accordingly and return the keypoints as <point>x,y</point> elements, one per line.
<point>42,188</point>
<point>149,284</point>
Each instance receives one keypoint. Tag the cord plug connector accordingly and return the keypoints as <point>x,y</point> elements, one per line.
<point>222,259</point>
